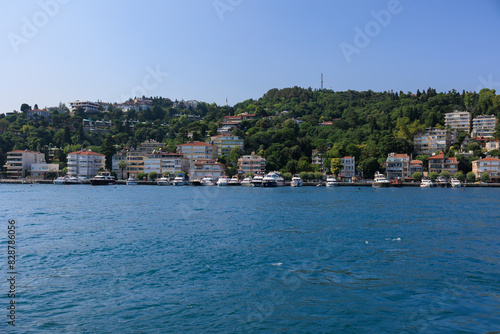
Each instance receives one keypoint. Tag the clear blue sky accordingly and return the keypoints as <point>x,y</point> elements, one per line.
<point>239,49</point>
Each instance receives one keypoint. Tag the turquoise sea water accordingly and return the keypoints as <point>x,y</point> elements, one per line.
<point>148,259</point>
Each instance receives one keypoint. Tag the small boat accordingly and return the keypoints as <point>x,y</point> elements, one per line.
<point>207,181</point>
<point>442,182</point>
<point>163,181</point>
<point>247,181</point>
<point>427,183</point>
<point>273,179</point>
<point>296,181</point>
<point>397,182</point>
<point>222,181</point>
<point>234,181</point>
<point>131,181</point>
<point>331,181</point>
<point>60,180</point>
<point>179,181</point>
<point>380,181</point>
<point>73,180</point>
<point>455,183</point>
<point>257,181</point>
<point>103,179</point>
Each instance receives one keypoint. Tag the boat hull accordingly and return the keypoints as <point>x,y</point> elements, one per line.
<point>381,184</point>
<point>102,182</point>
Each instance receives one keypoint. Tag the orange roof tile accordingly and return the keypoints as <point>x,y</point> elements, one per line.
<point>194,143</point>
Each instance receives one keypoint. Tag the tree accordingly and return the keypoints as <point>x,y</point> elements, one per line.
<point>485,177</point>
<point>335,166</point>
<point>459,176</point>
<point>471,177</point>
<point>140,176</point>
<point>249,174</point>
<point>445,174</point>
<point>152,176</point>
<point>108,149</point>
<point>417,176</point>
<point>433,175</point>
<point>122,165</point>
<point>369,167</point>
<point>25,107</point>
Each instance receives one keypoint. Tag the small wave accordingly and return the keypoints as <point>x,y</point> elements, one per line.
<point>276,264</point>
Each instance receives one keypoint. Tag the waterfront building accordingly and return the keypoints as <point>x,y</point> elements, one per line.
<point>19,162</point>
<point>458,120</point>
<point>348,170</point>
<point>252,164</point>
<point>87,106</point>
<point>119,156</point>
<point>207,167</point>
<point>489,165</point>
<point>397,166</point>
<point>85,163</point>
<point>165,162</point>
<point>434,140</point>
<point>39,113</point>
<point>225,143</point>
<point>416,166</point>
<point>439,163</point>
<point>42,168</point>
<point>484,126</point>
<point>135,163</point>
<point>317,157</point>
<point>194,151</point>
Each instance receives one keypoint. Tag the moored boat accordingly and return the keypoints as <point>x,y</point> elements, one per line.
<point>331,182</point>
<point>163,181</point>
<point>179,180</point>
<point>296,181</point>
<point>60,180</point>
<point>455,183</point>
<point>222,181</point>
<point>131,181</point>
<point>103,179</point>
<point>442,182</point>
<point>234,181</point>
<point>427,183</point>
<point>380,181</point>
<point>257,181</point>
<point>273,179</point>
<point>247,181</point>
<point>207,181</point>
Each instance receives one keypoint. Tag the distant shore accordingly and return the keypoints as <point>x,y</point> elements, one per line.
<point>306,184</point>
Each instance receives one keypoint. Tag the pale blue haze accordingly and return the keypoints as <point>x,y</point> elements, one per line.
<point>100,50</point>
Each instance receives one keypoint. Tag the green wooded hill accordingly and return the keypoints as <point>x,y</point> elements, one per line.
<point>367,125</point>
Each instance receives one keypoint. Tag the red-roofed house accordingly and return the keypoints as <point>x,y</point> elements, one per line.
<point>397,166</point>
<point>439,163</point>
<point>85,163</point>
<point>416,166</point>
<point>489,165</point>
<point>196,150</point>
<point>19,162</point>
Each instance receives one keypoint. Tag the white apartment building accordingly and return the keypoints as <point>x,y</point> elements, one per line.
<point>40,169</point>
<point>252,164</point>
<point>492,145</point>
<point>484,126</point>
<point>87,106</point>
<point>19,162</point>
<point>434,140</point>
<point>206,167</point>
<point>194,151</point>
<point>85,163</point>
<point>163,162</point>
<point>349,167</point>
<point>458,120</point>
<point>225,143</point>
<point>489,165</point>
<point>397,166</point>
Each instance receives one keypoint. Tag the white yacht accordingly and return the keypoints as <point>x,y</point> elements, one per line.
<point>163,181</point>
<point>103,178</point>
<point>273,179</point>
<point>234,181</point>
<point>442,182</point>
<point>131,181</point>
<point>247,181</point>
<point>296,181</point>
<point>331,181</point>
<point>61,180</point>
<point>222,181</point>
<point>257,181</point>
<point>380,181</point>
<point>427,183</point>
<point>179,181</point>
<point>455,183</point>
<point>207,181</point>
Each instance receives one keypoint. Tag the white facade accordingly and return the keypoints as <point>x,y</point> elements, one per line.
<point>225,143</point>
<point>458,120</point>
<point>484,126</point>
<point>489,165</point>
<point>43,168</point>
<point>397,166</point>
<point>87,106</point>
<point>85,163</point>
<point>203,168</point>
<point>19,162</point>
<point>252,164</point>
<point>493,145</point>
<point>163,162</point>
<point>433,140</point>
<point>349,167</point>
